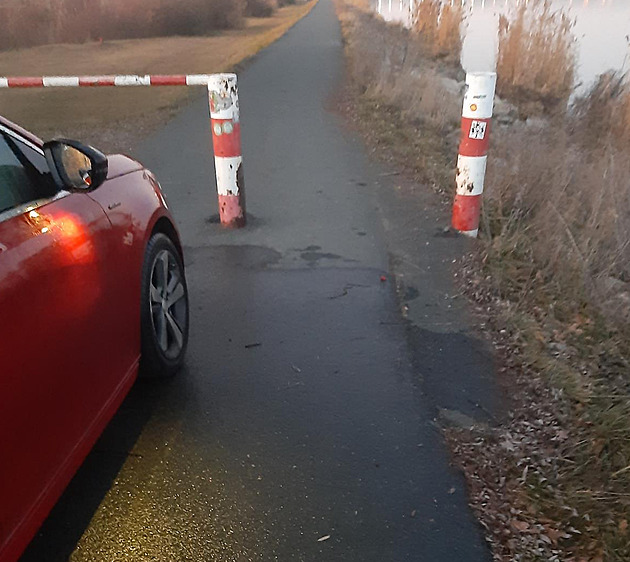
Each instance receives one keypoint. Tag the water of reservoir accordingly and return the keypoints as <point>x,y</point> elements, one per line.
<point>601,29</point>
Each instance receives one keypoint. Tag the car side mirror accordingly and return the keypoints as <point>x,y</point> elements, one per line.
<point>75,166</point>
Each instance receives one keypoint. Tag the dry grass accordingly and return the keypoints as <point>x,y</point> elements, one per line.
<point>112,118</point>
<point>604,112</point>
<point>558,196</point>
<point>551,483</point>
<point>536,58</point>
<point>557,251</point>
<point>439,27</point>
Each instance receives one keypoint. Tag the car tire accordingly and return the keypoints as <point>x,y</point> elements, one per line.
<point>164,315</point>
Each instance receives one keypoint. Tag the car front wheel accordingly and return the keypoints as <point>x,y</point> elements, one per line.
<point>164,309</point>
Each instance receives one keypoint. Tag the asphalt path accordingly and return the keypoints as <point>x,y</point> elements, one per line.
<point>300,428</point>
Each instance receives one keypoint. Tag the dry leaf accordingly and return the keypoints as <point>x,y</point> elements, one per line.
<point>520,525</point>
<point>556,535</point>
<point>598,446</point>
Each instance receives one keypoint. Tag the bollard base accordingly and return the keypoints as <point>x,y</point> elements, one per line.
<point>232,211</point>
<point>466,211</point>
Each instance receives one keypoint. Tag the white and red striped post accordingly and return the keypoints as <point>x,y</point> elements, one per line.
<point>226,139</point>
<point>224,111</point>
<point>473,150</point>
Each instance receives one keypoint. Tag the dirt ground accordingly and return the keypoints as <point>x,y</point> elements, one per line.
<point>113,119</point>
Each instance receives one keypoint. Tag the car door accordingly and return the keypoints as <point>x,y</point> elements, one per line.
<point>57,387</point>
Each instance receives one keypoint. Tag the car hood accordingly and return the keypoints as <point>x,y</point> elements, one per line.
<point>120,165</point>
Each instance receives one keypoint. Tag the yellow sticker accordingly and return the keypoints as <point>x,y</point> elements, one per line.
<point>473,107</point>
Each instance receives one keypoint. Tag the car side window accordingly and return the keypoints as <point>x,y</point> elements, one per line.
<point>24,174</point>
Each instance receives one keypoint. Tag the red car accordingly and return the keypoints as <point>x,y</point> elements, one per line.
<point>92,291</point>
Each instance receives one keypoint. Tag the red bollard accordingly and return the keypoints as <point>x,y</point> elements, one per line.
<point>473,150</point>
<point>226,138</point>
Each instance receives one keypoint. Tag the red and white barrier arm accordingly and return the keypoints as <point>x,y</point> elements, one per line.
<point>473,150</point>
<point>94,81</point>
<point>225,124</point>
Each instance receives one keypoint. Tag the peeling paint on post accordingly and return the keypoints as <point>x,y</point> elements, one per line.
<point>473,150</point>
<point>226,140</point>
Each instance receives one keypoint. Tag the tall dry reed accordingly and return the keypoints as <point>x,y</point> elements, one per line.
<point>439,25</point>
<point>536,58</point>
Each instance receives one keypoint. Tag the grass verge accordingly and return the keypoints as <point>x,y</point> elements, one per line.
<point>115,118</point>
<point>553,264</point>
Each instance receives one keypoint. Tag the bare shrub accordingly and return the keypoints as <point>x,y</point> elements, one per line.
<point>124,20</point>
<point>227,14</point>
<point>439,27</point>
<point>75,21</point>
<point>536,58</point>
<point>603,113</point>
<point>197,17</point>
<point>25,23</point>
<point>260,8</point>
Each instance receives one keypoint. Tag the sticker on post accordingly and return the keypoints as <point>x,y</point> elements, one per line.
<point>477,130</point>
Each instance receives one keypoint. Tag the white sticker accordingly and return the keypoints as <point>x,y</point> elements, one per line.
<point>477,130</point>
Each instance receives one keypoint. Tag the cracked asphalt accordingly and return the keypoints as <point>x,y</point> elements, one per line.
<point>303,426</point>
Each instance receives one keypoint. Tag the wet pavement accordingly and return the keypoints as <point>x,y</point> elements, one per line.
<point>302,427</point>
